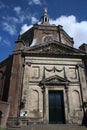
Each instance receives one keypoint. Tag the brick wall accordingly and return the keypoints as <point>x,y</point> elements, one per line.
<point>4,108</point>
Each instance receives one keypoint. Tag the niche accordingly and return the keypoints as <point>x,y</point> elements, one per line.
<point>76,99</point>
<point>34,100</point>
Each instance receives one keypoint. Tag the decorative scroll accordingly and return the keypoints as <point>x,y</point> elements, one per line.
<point>48,72</point>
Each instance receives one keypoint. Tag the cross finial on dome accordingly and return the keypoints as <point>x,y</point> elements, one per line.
<point>45,10</point>
<point>45,17</point>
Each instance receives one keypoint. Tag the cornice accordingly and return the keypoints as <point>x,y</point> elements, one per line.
<point>54,49</point>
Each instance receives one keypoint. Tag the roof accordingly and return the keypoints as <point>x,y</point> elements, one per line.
<point>54,49</point>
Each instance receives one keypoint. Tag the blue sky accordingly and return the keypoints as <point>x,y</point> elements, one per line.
<point>17,16</point>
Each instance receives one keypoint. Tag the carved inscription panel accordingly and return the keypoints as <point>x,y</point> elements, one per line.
<point>72,73</point>
<point>35,72</point>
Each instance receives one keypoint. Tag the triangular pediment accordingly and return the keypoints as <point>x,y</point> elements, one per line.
<point>55,80</point>
<point>53,49</point>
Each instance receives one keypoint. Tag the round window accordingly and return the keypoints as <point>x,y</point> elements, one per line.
<point>48,39</point>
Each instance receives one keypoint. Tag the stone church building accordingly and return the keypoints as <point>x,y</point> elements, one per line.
<point>44,80</point>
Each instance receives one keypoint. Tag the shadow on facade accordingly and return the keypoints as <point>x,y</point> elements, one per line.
<point>0,117</point>
<point>84,121</point>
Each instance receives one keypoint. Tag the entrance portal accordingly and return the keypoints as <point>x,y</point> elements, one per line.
<point>56,107</point>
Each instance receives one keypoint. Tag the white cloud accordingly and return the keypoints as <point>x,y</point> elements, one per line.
<point>33,42</point>
<point>37,2</point>
<point>10,19</point>
<point>75,29</point>
<point>11,29</point>
<point>2,5</point>
<point>22,15</point>
<point>24,28</point>
<point>15,20</point>
<point>10,23</point>
<point>17,9</point>
<point>6,42</point>
<point>34,20</point>
<point>30,2</point>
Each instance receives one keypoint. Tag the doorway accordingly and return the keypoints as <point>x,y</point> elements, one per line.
<point>56,107</point>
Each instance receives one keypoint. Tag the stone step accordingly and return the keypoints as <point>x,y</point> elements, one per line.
<point>50,127</point>
<point>13,128</point>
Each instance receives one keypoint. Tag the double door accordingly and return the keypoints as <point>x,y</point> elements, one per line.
<point>56,107</point>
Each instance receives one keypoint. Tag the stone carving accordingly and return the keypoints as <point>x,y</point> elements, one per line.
<point>35,72</point>
<point>55,80</point>
<point>73,73</point>
<point>54,48</point>
<point>48,72</point>
<point>54,69</point>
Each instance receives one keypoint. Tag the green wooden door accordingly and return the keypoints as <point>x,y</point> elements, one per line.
<point>56,107</point>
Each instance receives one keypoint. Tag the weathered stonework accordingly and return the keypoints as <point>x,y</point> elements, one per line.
<point>47,68</point>
<point>44,80</point>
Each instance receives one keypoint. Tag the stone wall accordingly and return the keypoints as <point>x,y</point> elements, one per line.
<point>36,99</point>
<point>4,108</point>
<point>55,32</point>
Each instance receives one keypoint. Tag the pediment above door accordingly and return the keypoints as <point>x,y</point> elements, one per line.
<point>54,80</point>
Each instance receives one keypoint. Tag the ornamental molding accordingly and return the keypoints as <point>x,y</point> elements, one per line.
<point>54,69</point>
<point>52,49</point>
<point>54,80</point>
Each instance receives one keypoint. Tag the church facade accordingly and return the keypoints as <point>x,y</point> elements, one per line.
<point>44,80</point>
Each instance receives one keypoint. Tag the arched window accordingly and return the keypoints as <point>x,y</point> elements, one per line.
<point>45,19</point>
<point>48,39</point>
